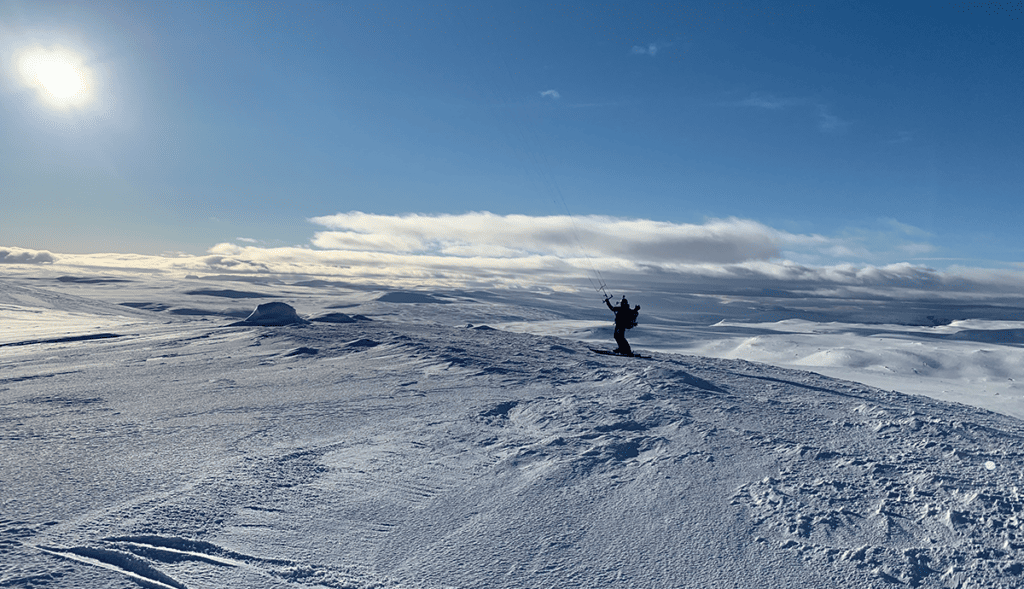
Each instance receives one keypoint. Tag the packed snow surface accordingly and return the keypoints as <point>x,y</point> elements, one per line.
<point>423,448</point>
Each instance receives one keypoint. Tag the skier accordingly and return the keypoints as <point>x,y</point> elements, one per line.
<point>625,318</point>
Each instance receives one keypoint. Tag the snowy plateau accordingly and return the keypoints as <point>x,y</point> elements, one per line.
<point>161,433</point>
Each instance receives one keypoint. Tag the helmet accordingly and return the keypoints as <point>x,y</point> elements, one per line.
<point>623,301</point>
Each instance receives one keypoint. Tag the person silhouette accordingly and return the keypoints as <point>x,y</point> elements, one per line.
<point>625,318</point>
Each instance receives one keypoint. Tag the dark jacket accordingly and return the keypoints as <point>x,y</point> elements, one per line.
<point>624,316</point>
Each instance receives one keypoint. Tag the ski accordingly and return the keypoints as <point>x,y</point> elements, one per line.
<point>610,353</point>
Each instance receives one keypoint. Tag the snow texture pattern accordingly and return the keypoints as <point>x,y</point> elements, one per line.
<point>184,453</point>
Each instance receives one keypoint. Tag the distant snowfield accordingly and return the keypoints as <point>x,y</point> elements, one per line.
<point>979,363</point>
<point>470,439</point>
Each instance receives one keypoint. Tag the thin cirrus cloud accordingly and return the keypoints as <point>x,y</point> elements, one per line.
<point>769,102</point>
<point>887,240</point>
<point>826,120</point>
<point>553,94</point>
<point>649,49</point>
<point>902,137</point>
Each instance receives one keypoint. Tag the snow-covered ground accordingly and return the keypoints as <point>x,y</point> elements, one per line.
<point>149,436</point>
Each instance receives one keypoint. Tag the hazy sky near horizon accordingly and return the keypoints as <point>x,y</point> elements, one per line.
<point>819,132</point>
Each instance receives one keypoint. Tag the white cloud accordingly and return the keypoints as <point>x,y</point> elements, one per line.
<point>551,94</point>
<point>633,241</point>
<point>829,122</point>
<point>826,121</point>
<point>904,228</point>
<point>769,102</point>
<point>17,255</point>
<point>883,241</point>
<point>650,49</point>
<point>902,137</point>
<point>486,250</point>
<point>901,281</point>
<point>594,104</point>
<point>482,246</point>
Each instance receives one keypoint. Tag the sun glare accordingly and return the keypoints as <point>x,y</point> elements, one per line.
<point>58,73</point>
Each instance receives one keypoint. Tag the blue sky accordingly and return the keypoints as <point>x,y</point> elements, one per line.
<point>865,133</point>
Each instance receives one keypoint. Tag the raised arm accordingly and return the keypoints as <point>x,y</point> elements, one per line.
<point>609,304</point>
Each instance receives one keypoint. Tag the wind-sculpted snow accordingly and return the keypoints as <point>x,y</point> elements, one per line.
<point>911,493</point>
<point>409,297</point>
<point>392,453</point>
<point>337,318</point>
<point>228,293</point>
<point>60,340</point>
<point>275,313</point>
<point>89,279</point>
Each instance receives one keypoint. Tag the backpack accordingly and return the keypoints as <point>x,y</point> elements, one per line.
<point>631,317</point>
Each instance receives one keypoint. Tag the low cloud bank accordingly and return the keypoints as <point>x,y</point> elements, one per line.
<point>485,250</point>
<point>632,241</point>
<point>16,255</point>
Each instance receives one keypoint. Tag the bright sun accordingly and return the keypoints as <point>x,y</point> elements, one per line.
<point>57,72</point>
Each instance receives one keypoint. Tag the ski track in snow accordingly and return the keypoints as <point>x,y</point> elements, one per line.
<point>404,453</point>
